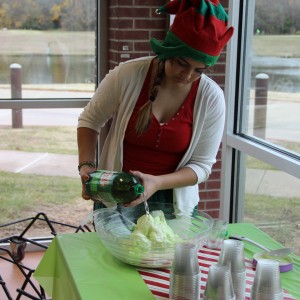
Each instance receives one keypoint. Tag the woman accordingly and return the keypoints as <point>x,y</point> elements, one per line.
<point>167,116</point>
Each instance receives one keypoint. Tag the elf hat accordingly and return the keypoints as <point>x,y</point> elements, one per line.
<point>199,31</point>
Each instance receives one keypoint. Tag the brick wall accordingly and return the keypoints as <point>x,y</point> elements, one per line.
<point>131,24</point>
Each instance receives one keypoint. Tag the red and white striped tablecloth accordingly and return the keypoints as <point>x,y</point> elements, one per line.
<point>158,280</point>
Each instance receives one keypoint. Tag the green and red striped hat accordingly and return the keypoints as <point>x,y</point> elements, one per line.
<point>199,31</point>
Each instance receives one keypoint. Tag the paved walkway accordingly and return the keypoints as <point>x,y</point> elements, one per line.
<point>39,163</point>
<point>261,182</point>
<point>272,183</point>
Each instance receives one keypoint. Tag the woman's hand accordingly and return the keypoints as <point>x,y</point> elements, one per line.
<point>151,185</point>
<point>85,170</point>
<point>180,178</point>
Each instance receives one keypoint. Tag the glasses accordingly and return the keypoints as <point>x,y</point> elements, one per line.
<point>182,63</point>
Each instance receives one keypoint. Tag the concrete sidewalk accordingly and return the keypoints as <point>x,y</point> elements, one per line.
<point>260,182</point>
<point>272,183</point>
<point>39,163</point>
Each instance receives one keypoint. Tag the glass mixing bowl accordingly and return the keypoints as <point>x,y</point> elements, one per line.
<point>115,226</point>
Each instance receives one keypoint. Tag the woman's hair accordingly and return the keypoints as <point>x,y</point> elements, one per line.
<point>143,119</point>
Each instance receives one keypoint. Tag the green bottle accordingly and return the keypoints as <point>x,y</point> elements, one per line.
<point>112,186</point>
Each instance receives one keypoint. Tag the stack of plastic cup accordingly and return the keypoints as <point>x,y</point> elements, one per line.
<point>232,253</point>
<point>219,284</point>
<point>267,284</point>
<point>185,274</point>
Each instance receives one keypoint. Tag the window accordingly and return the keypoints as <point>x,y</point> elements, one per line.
<point>262,137</point>
<point>48,48</point>
<point>48,72</point>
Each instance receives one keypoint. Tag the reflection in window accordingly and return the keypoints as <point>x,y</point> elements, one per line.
<point>272,202</point>
<point>273,101</point>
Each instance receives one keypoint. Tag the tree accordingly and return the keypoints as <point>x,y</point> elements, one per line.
<point>48,14</point>
<point>277,16</point>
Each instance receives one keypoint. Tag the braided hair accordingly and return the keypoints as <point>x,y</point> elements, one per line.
<point>143,120</point>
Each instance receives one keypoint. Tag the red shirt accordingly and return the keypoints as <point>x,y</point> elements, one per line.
<point>160,149</point>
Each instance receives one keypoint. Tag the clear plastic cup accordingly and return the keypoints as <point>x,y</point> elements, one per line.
<point>232,253</point>
<point>219,284</point>
<point>185,274</point>
<point>239,284</point>
<point>267,283</point>
<point>216,235</point>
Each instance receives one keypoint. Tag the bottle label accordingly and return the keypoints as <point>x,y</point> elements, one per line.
<point>101,185</point>
<point>113,186</point>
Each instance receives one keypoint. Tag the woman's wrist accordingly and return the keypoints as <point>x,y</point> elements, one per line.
<point>86,163</point>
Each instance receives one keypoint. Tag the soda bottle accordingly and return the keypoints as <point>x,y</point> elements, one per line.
<point>113,186</point>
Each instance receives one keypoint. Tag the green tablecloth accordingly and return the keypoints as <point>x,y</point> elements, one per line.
<point>77,266</point>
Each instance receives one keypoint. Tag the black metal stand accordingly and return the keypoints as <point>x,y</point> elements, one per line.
<point>17,253</point>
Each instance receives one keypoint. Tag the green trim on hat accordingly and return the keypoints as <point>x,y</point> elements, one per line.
<point>211,10</point>
<point>172,46</point>
<point>206,8</point>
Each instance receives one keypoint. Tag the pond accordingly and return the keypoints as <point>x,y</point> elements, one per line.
<point>284,73</point>
<point>50,69</point>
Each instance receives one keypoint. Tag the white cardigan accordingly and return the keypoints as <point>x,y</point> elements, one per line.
<point>116,97</point>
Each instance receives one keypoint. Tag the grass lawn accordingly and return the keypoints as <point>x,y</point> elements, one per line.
<point>24,42</point>
<point>52,139</point>
<point>21,193</point>
<point>83,43</point>
<point>278,217</point>
<point>276,45</point>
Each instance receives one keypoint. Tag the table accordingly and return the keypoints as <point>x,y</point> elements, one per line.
<point>77,266</point>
